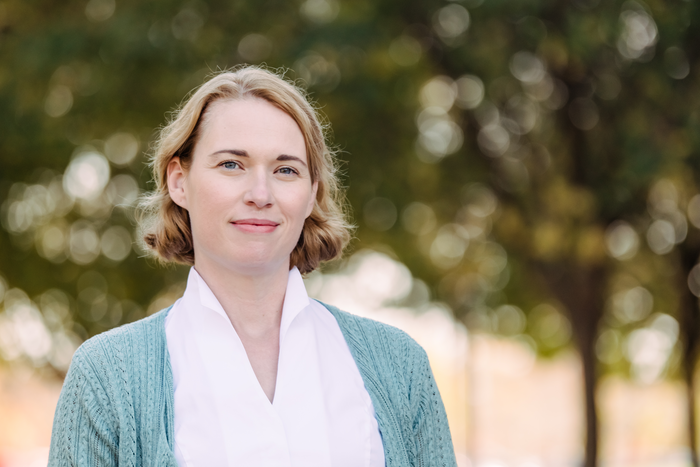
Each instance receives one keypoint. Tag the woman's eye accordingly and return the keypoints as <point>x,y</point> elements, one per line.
<point>287,171</point>
<point>229,165</point>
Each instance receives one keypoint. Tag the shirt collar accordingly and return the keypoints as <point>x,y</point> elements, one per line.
<point>296,299</point>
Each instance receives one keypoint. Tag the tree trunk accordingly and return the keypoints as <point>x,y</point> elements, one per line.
<point>689,320</point>
<point>581,289</point>
<point>689,370</point>
<point>590,381</point>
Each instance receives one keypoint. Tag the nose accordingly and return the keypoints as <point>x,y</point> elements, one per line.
<point>258,192</point>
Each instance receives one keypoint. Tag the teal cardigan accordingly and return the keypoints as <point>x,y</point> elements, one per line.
<point>116,405</point>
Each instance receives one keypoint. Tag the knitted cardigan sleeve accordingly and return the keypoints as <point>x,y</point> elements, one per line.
<point>433,442</point>
<point>84,431</point>
<point>115,407</point>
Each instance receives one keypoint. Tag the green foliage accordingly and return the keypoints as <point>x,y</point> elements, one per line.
<point>588,133</point>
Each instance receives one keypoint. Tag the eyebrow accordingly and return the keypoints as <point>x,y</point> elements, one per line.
<point>242,153</point>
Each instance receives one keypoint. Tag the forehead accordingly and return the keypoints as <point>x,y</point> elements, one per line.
<point>250,124</point>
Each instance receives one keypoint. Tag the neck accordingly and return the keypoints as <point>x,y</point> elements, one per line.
<point>253,303</point>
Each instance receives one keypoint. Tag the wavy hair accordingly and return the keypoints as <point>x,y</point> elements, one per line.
<point>165,226</point>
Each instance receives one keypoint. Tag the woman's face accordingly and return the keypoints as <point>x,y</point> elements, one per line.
<point>248,189</point>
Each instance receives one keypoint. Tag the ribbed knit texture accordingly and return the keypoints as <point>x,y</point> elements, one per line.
<point>116,405</point>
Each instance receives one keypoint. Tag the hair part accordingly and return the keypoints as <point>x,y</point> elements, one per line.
<point>165,226</point>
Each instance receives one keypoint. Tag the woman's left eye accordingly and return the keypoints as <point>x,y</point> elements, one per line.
<point>287,171</point>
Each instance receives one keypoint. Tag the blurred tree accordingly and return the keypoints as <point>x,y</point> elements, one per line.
<point>687,125</point>
<point>575,128</point>
<point>690,332</point>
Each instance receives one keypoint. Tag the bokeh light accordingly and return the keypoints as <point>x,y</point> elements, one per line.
<point>418,218</point>
<point>121,148</point>
<point>527,67</point>
<point>470,91</point>
<point>115,243</point>
<point>59,101</point>
<point>254,47</point>
<point>187,24</point>
<point>632,305</point>
<point>99,10</point>
<point>449,245</point>
<point>405,50</point>
<point>649,348</point>
<point>583,113</point>
<point>639,32</point>
<point>320,11</point>
<point>86,175</point>
<point>451,21</point>
<point>694,280</point>
<point>317,72</point>
<point>676,63</point>
<point>621,240</point>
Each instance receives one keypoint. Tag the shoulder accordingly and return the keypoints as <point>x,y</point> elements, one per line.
<point>120,346</point>
<point>108,392</point>
<point>144,328</point>
<point>380,339</point>
<point>150,325</point>
<point>394,367</point>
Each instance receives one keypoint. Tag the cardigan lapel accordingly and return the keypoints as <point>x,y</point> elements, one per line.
<point>165,455</point>
<point>361,350</point>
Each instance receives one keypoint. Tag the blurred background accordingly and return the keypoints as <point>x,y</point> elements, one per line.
<point>525,177</point>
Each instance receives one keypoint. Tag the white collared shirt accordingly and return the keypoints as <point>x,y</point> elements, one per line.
<point>321,414</point>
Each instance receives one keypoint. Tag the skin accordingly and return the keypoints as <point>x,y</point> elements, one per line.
<point>248,192</point>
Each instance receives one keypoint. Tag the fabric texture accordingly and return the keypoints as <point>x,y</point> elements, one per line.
<point>116,405</point>
<point>321,414</point>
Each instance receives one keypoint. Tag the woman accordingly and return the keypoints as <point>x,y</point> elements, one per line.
<point>245,369</point>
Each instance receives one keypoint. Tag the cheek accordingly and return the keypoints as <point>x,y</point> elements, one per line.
<point>297,206</point>
<point>208,201</point>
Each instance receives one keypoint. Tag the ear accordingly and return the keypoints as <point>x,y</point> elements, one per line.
<point>312,201</point>
<point>176,182</point>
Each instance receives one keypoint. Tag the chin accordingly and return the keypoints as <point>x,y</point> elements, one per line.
<point>255,262</point>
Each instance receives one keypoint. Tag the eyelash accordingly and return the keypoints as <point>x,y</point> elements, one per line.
<point>294,171</point>
<point>223,164</point>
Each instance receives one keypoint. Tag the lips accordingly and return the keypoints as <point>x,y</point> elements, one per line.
<point>255,225</point>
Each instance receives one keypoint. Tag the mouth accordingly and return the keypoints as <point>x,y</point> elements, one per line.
<point>255,225</point>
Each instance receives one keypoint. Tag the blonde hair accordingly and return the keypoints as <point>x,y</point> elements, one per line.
<point>165,226</point>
